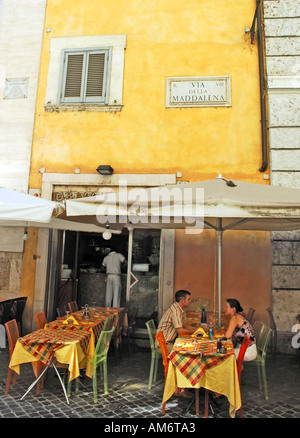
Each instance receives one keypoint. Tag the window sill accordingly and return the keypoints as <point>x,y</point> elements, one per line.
<point>83,107</point>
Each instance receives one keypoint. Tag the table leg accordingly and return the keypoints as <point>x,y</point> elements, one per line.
<point>35,382</point>
<point>197,400</point>
<point>40,376</point>
<point>206,403</point>
<point>62,384</point>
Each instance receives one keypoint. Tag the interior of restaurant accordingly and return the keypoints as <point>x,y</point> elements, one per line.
<point>83,281</point>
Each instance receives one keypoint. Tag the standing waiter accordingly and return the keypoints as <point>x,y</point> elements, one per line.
<point>113,263</point>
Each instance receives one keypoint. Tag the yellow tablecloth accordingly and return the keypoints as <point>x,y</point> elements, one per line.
<point>220,376</point>
<point>93,326</point>
<point>76,353</point>
<point>70,353</point>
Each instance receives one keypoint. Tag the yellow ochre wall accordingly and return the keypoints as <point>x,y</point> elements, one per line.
<point>166,39</point>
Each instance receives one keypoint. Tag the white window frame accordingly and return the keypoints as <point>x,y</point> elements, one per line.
<point>114,97</point>
<point>106,76</point>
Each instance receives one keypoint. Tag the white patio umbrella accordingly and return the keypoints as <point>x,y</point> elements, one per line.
<point>17,206</point>
<point>22,210</point>
<point>56,223</point>
<point>216,204</point>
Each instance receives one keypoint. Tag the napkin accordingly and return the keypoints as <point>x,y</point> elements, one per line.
<point>70,320</point>
<point>185,345</point>
<point>198,332</point>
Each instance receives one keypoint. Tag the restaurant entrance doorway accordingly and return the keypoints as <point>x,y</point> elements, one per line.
<point>82,280</point>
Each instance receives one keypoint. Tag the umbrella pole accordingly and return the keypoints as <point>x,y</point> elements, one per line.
<point>129,265</point>
<point>220,232</point>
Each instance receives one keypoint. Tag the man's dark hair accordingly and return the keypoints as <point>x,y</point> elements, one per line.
<point>181,294</point>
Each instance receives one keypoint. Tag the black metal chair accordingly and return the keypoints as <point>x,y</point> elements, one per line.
<point>131,328</point>
<point>17,310</point>
<point>5,308</point>
<point>5,311</point>
<point>61,311</point>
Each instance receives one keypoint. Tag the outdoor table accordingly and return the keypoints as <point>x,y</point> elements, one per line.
<point>195,363</point>
<point>94,323</point>
<point>121,317</point>
<point>117,311</point>
<point>70,344</point>
<point>67,345</point>
<point>96,320</point>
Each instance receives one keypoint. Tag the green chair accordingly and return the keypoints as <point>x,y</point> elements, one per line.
<point>100,358</point>
<point>69,385</point>
<point>274,332</point>
<point>262,346</point>
<point>108,324</point>
<point>155,354</point>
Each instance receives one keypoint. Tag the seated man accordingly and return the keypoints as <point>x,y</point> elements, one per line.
<point>172,324</point>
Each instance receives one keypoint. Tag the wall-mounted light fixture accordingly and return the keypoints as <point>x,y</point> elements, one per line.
<point>25,236</point>
<point>105,170</point>
<point>106,234</point>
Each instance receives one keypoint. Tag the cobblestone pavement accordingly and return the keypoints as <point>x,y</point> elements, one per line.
<point>129,396</point>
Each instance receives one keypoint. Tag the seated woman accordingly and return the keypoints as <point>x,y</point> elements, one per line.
<point>239,327</point>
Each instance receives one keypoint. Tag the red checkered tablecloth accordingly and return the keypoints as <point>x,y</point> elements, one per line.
<point>193,362</point>
<point>42,344</point>
<point>94,322</point>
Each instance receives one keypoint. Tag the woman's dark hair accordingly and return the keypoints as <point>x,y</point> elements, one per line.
<point>235,303</point>
<point>181,294</point>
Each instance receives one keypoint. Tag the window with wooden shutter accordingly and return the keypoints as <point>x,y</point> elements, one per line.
<point>85,76</point>
<point>95,75</point>
<point>73,79</point>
